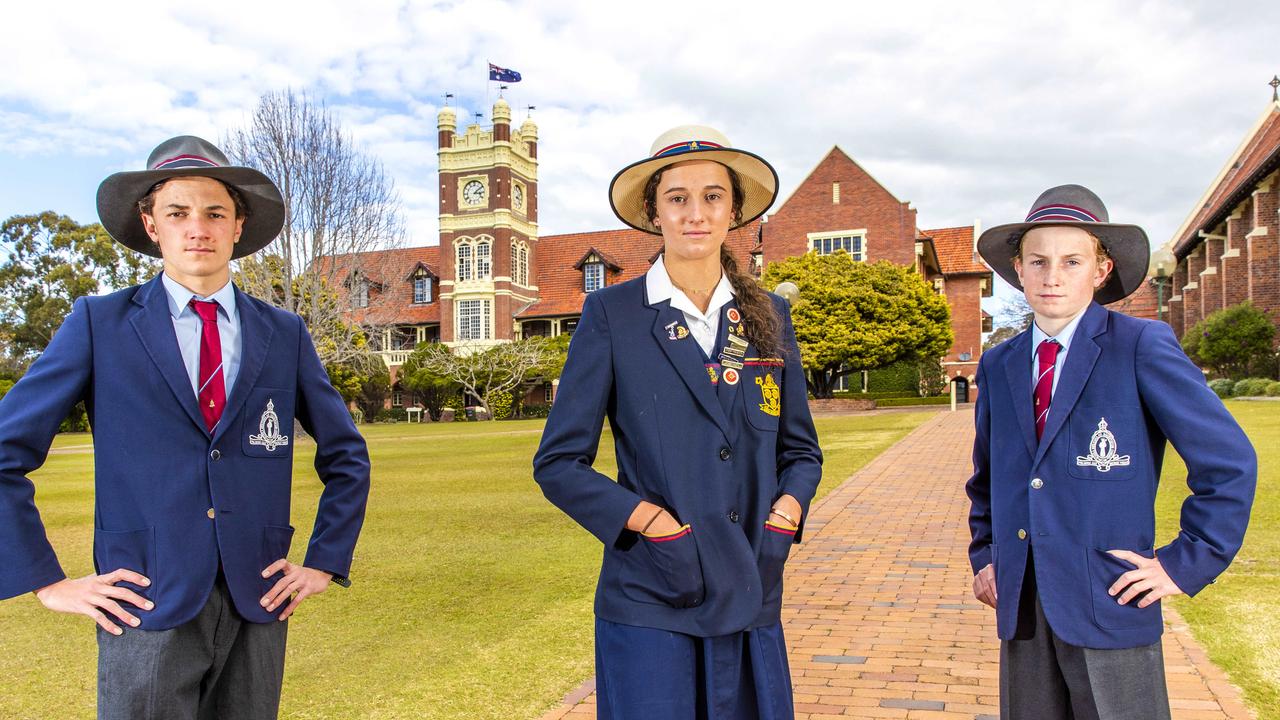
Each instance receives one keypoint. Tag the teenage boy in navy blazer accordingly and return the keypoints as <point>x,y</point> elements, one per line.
<point>192,389</point>
<point>1072,423</point>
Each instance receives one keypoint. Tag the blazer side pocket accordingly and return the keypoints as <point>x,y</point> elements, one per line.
<point>131,550</point>
<point>665,569</point>
<point>775,548</point>
<point>1104,570</point>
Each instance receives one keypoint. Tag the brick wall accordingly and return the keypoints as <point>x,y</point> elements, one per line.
<point>864,203</point>
<point>1191,290</point>
<point>1211,277</point>
<point>1262,251</point>
<point>964,295</point>
<point>1175,316</point>
<point>1235,273</point>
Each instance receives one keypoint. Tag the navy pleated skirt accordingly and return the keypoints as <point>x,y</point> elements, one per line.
<point>645,673</point>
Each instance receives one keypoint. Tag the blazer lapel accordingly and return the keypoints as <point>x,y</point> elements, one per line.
<point>255,339</point>
<point>1081,357</point>
<point>687,359</point>
<point>154,325</point>
<point>1017,372</point>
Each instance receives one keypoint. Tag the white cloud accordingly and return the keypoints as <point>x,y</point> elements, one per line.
<point>967,110</point>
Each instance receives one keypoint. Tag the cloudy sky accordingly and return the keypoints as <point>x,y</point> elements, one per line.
<point>967,110</point>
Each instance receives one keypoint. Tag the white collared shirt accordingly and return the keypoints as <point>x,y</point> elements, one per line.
<point>1064,340</point>
<point>188,327</point>
<point>705,327</point>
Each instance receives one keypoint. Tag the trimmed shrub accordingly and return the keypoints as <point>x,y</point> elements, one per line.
<point>500,404</point>
<point>530,410</point>
<point>903,402</point>
<point>389,415</point>
<point>901,377</point>
<point>1222,387</point>
<point>1273,389</point>
<point>1251,387</point>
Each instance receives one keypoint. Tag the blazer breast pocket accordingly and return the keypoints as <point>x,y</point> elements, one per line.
<point>762,395</point>
<point>267,430</point>
<point>1104,443</point>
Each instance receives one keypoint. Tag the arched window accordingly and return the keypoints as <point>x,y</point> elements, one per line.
<point>519,263</point>
<point>484,260</point>
<point>465,267</point>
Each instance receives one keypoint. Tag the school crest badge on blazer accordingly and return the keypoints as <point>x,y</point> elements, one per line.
<point>269,435</point>
<point>1102,450</point>
<point>771,394</point>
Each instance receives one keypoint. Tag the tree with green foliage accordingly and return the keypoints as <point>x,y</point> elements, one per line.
<point>1233,342</point>
<point>1000,335</point>
<point>484,371</point>
<point>49,261</point>
<point>854,316</point>
<point>433,389</point>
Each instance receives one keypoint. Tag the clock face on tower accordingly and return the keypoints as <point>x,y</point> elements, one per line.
<point>473,193</point>
<point>517,194</point>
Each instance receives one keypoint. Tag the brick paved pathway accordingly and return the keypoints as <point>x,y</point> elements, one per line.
<point>879,616</point>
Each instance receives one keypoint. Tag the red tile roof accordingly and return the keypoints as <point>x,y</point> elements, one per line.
<point>391,269</point>
<point>1257,156</point>
<point>560,286</point>
<point>954,246</point>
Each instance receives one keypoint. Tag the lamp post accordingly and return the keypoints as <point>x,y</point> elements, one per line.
<point>1164,262</point>
<point>788,291</point>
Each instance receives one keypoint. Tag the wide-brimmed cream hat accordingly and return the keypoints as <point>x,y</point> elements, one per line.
<point>692,142</point>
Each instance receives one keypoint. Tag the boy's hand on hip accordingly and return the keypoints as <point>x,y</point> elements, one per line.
<point>1149,577</point>
<point>97,596</point>
<point>299,582</point>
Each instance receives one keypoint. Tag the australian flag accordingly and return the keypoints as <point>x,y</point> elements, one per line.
<point>503,74</point>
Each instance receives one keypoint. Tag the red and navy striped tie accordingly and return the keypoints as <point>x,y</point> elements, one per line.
<point>212,393</point>
<point>1047,354</point>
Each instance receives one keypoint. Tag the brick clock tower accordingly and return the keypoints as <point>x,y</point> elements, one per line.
<point>488,226</point>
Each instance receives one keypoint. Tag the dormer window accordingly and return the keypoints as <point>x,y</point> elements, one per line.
<point>421,288</point>
<point>360,294</point>
<point>592,276</point>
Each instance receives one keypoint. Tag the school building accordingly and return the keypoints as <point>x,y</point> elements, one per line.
<point>493,278</point>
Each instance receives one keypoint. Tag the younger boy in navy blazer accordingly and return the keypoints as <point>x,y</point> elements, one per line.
<point>1072,423</point>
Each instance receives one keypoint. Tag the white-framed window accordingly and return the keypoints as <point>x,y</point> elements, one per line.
<point>520,263</point>
<point>851,241</point>
<point>360,294</point>
<point>397,398</point>
<point>546,393</point>
<point>484,260</point>
<point>473,320</point>
<point>592,276</point>
<point>421,289</point>
<point>465,268</point>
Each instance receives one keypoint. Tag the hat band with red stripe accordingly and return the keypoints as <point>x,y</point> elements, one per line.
<point>689,146</point>
<point>185,161</point>
<point>1061,213</point>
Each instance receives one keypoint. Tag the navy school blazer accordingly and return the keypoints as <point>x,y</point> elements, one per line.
<point>1089,484</point>
<point>716,462</point>
<point>171,501</point>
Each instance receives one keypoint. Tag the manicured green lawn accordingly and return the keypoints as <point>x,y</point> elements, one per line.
<point>1237,618</point>
<point>472,594</point>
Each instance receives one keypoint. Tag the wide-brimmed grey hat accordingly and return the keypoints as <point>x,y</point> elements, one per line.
<point>692,142</point>
<point>186,156</point>
<point>1077,206</point>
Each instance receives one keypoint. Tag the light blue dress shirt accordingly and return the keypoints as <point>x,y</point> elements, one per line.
<point>1064,339</point>
<point>188,327</point>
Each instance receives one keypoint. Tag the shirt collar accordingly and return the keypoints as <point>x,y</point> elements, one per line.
<point>1063,337</point>
<point>658,287</point>
<point>179,297</point>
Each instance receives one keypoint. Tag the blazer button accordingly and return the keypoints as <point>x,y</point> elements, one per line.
<point>210,513</point>
<point>725,454</point>
<point>733,516</point>
<point>1037,483</point>
<point>215,454</point>
<point>1022,534</point>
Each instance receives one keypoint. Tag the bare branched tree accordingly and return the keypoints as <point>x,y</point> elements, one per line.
<point>486,371</point>
<point>341,206</point>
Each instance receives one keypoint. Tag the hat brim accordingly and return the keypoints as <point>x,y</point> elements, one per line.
<point>1127,245</point>
<point>759,184</point>
<point>119,194</point>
